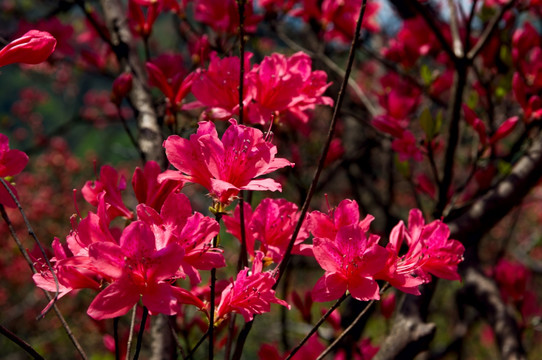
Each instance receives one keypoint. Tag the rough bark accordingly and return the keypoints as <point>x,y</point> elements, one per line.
<point>483,294</point>
<point>150,138</point>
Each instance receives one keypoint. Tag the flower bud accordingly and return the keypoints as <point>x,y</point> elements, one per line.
<point>33,47</point>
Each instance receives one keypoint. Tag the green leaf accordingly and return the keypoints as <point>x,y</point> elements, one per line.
<point>402,166</point>
<point>500,92</point>
<point>426,75</point>
<point>427,123</point>
<point>472,100</point>
<point>504,167</point>
<point>438,121</point>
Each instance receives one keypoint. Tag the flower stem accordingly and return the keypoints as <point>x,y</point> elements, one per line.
<point>140,333</point>
<point>218,217</point>
<point>116,337</point>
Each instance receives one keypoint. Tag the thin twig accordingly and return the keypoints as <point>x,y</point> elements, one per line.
<point>351,326</point>
<point>243,254</point>
<point>175,337</point>
<point>116,337</point>
<point>317,325</point>
<point>36,240</point>
<point>241,11</point>
<point>486,35</point>
<point>456,39</point>
<point>47,295</point>
<point>141,331</point>
<point>454,117</point>
<point>218,217</point>
<point>200,341</point>
<point>314,183</point>
<point>22,344</point>
<point>210,331</point>
<point>131,333</point>
<point>371,108</point>
<point>468,26</point>
<point>130,135</point>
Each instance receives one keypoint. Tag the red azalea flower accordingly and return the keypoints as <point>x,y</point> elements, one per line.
<point>350,259</point>
<point>136,269</point>
<point>217,86</point>
<point>192,231</point>
<point>430,251</point>
<point>111,184</point>
<point>272,223</point>
<point>12,162</point>
<point>343,16</point>
<point>223,16</point>
<point>251,293</point>
<point>227,166</point>
<point>148,190</point>
<point>285,85</point>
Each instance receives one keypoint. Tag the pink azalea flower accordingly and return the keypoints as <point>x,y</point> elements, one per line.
<point>111,184</point>
<point>217,87</point>
<point>192,232</point>
<point>343,16</point>
<point>350,260</point>
<point>387,305</point>
<point>272,224</point>
<point>399,98</point>
<point>223,16</point>
<point>224,167</point>
<point>137,269</point>
<point>94,228</point>
<point>72,274</point>
<point>414,40</point>
<point>251,293</point>
<point>430,251</point>
<point>148,190</point>
<point>33,47</point>
<point>282,85</point>
<point>167,73</point>
<point>425,185</point>
<point>12,162</point>
<point>327,225</point>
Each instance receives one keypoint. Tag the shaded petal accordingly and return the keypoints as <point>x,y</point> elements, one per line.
<point>108,259</point>
<point>329,287</point>
<point>159,299</point>
<point>115,300</point>
<point>363,289</point>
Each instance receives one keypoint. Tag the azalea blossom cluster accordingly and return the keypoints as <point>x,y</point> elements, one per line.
<point>279,89</point>
<point>153,250</point>
<point>165,241</point>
